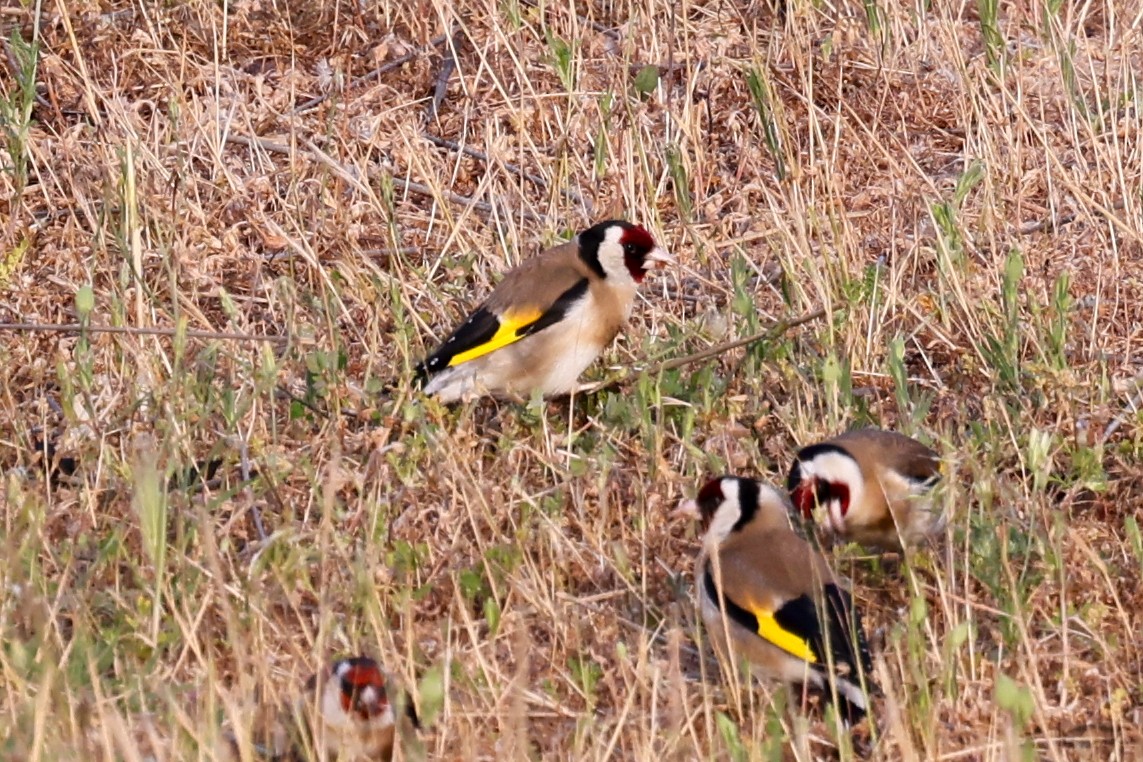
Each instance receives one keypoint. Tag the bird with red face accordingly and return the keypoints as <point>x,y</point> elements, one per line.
<point>345,713</point>
<point>356,720</point>
<point>869,486</point>
<point>767,597</point>
<point>547,320</point>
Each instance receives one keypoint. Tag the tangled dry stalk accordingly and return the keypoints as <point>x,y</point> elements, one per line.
<point>956,188</point>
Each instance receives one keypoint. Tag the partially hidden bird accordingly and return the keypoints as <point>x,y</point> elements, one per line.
<point>869,486</point>
<point>767,597</point>
<point>345,713</point>
<point>547,320</point>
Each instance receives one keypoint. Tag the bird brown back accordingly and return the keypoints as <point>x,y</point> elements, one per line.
<point>774,560</point>
<point>898,452</point>
<point>562,268</point>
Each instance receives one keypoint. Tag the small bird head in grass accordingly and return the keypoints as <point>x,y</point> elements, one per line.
<point>356,719</point>
<point>355,692</point>
<point>868,486</point>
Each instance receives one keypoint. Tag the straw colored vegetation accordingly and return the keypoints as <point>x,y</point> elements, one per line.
<point>957,188</point>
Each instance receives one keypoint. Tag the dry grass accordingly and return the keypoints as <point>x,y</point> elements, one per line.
<point>898,165</point>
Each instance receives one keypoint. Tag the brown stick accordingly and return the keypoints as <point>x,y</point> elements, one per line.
<point>382,69</point>
<point>569,194</point>
<point>1130,409</point>
<point>1029,228</point>
<point>133,331</point>
<point>14,65</point>
<point>769,334</point>
<point>1049,223</point>
<point>448,66</point>
<point>454,146</point>
<point>344,173</point>
<point>604,29</point>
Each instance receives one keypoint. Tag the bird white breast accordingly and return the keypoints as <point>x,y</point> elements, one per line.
<point>574,346</point>
<point>708,606</point>
<point>452,384</point>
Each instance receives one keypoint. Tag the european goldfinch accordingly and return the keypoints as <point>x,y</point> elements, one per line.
<point>549,318</point>
<point>780,608</point>
<point>869,486</point>
<point>356,720</point>
<point>344,713</point>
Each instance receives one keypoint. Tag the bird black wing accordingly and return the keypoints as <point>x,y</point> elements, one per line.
<point>838,650</point>
<point>795,635</point>
<point>486,331</point>
<point>841,641</point>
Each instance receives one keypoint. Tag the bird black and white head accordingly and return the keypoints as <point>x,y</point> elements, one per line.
<point>619,250</point>
<point>355,693</point>
<point>729,503</point>
<point>825,480</point>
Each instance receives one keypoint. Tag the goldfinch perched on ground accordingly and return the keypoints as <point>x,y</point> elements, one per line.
<point>356,721</point>
<point>869,486</point>
<point>780,608</point>
<point>549,318</point>
<point>344,714</point>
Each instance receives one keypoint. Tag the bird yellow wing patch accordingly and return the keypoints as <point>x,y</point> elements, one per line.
<point>508,331</point>
<point>770,630</point>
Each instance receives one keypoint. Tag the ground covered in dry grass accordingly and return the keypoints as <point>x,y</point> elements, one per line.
<point>957,189</point>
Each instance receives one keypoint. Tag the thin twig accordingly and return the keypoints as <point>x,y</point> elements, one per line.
<point>1050,223</point>
<point>1131,408</point>
<point>350,177</point>
<point>133,331</point>
<point>264,143</point>
<point>610,31</point>
<point>456,198</point>
<point>42,219</point>
<point>513,168</point>
<point>670,59</point>
<point>378,253</point>
<point>771,333</point>
<point>1029,228</point>
<point>339,169</point>
<point>244,465</point>
<point>448,66</point>
<point>289,256</point>
<point>284,392</point>
<point>383,69</point>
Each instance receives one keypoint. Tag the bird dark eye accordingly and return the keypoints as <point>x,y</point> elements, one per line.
<point>629,249</point>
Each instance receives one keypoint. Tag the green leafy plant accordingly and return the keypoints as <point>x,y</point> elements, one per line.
<point>678,172</point>
<point>990,31</point>
<point>1002,349</point>
<point>646,80</point>
<point>16,108</point>
<point>563,60</point>
<point>771,131</point>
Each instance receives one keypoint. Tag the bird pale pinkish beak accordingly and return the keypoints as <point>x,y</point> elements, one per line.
<point>658,257</point>
<point>687,509</point>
